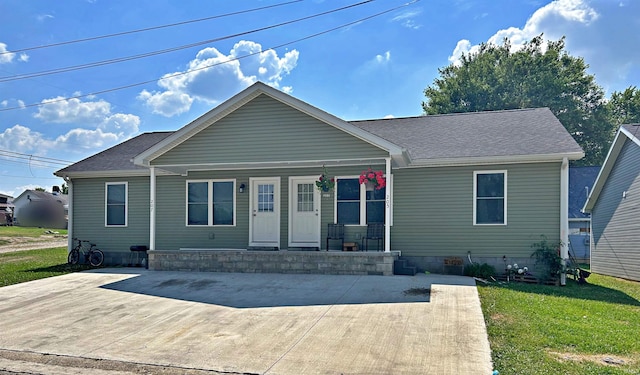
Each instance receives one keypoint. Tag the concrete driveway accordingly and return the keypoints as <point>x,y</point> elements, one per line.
<point>246,323</point>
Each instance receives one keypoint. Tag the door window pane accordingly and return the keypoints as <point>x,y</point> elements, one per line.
<point>265,197</point>
<point>305,197</point>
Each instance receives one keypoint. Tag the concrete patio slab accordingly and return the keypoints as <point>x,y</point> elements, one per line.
<point>251,323</point>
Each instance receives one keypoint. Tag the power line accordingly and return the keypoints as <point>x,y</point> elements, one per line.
<point>149,28</point>
<point>212,65</point>
<point>168,50</point>
<point>35,158</point>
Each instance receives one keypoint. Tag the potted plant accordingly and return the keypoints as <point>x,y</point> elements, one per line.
<point>325,183</point>
<point>373,179</point>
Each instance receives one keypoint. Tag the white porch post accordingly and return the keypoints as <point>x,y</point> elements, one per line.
<point>69,214</point>
<point>152,209</point>
<point>564,217</point>
<point>387,208</point>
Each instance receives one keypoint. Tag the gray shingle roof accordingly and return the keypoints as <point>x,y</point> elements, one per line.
<point>118,157</point>
<point>581,181</point>
<point>476,134</point>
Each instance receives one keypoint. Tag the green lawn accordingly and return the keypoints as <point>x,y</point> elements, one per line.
<point>20,266</point>
<point>536,329</point>
<point>13,231</point>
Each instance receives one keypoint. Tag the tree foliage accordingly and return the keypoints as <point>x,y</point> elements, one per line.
<point>497,78</point>
<point>624,107</point>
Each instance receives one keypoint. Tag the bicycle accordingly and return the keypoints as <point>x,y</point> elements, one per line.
<point>93,256</point>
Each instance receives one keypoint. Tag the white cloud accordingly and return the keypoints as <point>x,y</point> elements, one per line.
<point>384,58</point>
<point>213,76</point>
<point>44,17</point>
<point>7,57</point>
<point>407,20</point>
<point>76,141</point>
<point>598,31</point>
<point>556,12</point>
<point>91,113</point>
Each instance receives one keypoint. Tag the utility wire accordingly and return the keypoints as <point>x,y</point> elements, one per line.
<point>44,159</point>
<point>149,28</point>
<point>212,65</point>
<point>172,49</point>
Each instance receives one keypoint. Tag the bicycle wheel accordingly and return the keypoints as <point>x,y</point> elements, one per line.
<point>74,256</point>
<point>96,257</point>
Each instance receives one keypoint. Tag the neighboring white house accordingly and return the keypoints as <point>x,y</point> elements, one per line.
<point>41,209</point>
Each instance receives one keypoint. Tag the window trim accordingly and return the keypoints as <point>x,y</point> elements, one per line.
<point>210,183</point>
<point>363,200</point>
<point>475,196</point>
<point>126,204</point>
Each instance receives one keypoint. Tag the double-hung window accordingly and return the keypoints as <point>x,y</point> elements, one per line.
<point>357,206</point>
<point>490,198</point>
<point>210,202</point>
<point>116,204</point>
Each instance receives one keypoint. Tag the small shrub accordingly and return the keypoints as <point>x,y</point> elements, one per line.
<point>483,271</point>
<point>548,262</point>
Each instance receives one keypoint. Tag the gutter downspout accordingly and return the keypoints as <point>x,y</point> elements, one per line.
<point>152,209</point>
<point>387,208</point>
<point>69,213</point>
<point>564,218</point>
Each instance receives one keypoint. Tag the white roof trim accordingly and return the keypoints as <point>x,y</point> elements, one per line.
<point>510,159</point>
<point>607,166</point>
<point>240,99</point>
<point>114,173</point>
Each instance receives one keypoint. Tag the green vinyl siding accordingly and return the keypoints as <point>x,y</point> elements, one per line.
<point>615,219</point>
<point>433,211</point>
<point>89,214</point>
<point>172,233</point>
<point>266,130</point>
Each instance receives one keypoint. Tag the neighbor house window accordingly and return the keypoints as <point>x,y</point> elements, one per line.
<point>490,198</point>
<point>356,206</point>
<point>116,204</point>
<point>211,202</point>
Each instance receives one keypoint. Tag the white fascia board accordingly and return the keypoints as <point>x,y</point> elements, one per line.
<point>607,166</point>
<point>240,99</point>
<point>116,174</point>
<point>489,160</point>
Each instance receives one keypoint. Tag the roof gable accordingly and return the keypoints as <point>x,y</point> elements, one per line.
<point>625,133</point>
<point>244,97</point>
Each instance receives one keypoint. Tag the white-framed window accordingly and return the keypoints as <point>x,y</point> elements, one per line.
<point>354,205</point>
<point>490,197</point>
<point>211,203</point>
<point>116,204</point>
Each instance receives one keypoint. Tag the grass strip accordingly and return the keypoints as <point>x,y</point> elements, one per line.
<point>575,329</point>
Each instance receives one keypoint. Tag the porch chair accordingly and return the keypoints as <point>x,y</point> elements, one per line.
<point>335,232</point>
<point>375,231</point>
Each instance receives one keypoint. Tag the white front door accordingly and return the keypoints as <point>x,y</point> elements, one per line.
<point>304,212</point>
<point>264,223</point>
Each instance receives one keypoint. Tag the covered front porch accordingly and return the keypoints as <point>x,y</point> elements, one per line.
<point>283,261</point>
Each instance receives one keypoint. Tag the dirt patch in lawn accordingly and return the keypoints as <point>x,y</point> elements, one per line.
<point>9,244</point>
<point>600,359</point>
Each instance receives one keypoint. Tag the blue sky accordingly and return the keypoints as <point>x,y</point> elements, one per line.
<point>370,69</point>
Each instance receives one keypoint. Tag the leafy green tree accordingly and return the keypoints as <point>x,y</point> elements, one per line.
<point>624,107</point>
<point>496,78</point>
<point>40,189</point>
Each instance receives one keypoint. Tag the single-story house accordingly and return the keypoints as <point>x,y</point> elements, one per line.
<point>581,180</point>
<point>482,185</point>
<point>614,204</point>
<point>35,208</point>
